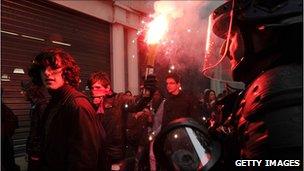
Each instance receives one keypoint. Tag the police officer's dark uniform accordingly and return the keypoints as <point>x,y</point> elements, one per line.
<point>269,111</point>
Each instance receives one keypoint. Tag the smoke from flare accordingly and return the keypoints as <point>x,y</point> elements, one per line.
<point>165,13</point>
<point>179,28</point>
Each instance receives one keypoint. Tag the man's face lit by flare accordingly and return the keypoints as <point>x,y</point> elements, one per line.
<point>212,96</point>
<point>52,77</point>
<point>172,86</point>
<point>98,91</point>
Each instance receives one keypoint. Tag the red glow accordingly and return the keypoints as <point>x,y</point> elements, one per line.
<point>157,29</point>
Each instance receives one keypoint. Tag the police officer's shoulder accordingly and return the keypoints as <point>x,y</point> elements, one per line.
<point>276,86</point>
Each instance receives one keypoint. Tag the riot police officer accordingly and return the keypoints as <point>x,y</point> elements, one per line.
<point>262,41</point>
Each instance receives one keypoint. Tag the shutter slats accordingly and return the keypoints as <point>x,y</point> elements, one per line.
<point>90,45</point>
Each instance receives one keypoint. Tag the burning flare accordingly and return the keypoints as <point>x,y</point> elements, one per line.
<point>165,12</point>
<point>157,29</point>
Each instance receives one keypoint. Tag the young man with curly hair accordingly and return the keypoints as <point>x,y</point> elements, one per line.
<point>71,135</point>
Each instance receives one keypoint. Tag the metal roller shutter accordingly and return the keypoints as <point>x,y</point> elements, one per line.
<point>30,26</point>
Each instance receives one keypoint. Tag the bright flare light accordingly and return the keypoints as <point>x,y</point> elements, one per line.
<point>157,29</point>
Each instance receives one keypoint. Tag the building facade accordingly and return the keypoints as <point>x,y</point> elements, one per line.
<point>101,35</point>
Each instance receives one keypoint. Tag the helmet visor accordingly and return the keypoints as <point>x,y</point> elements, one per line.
<point>216,63</point>
<point>187,149</point>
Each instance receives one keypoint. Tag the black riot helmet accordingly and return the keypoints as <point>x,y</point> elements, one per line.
<point>266,31</point>
<point>185,145</point>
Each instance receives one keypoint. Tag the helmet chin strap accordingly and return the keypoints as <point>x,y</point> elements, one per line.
<point>240,62</point>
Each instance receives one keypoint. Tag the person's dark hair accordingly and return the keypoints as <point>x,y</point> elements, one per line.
<point>174,76</point>
<point>99,76</point>
<point>207,94</point>
<point>128,91</point>
<point>49,57</point>
<point>157,99</point>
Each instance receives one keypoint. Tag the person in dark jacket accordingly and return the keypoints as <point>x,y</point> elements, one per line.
<point>112,109</point>
<point>37,96</point>
<point>71,136</point>
<point>178,103</point>
<point>138,130</point>
<point>210,109</point>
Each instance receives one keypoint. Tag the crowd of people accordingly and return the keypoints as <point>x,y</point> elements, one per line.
<point>172,130</point>
<point>105,130</point>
